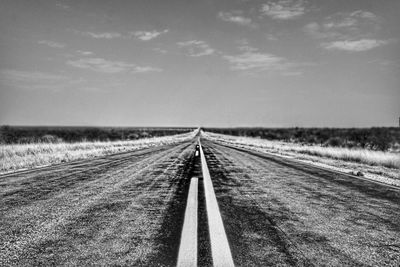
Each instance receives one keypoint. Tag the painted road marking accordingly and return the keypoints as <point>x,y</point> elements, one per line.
<point>221,253</point>
<point>188,247</point>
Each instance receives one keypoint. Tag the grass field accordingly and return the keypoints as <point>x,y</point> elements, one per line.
<point>21,156</point>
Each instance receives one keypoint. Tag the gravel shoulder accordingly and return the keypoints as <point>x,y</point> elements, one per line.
<point>278,213</point>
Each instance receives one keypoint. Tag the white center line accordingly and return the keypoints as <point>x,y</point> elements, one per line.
<point>188,247</point>
<point>221,253</point>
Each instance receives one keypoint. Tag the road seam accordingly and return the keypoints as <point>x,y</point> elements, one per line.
<point>188,247</point>
<point>220,250</point>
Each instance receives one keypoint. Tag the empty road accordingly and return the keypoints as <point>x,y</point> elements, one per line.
<point>128,210</point>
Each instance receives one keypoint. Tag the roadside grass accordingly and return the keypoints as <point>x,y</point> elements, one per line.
<point>25,156</point>
<point>365,156</point>
<point>378,158</point>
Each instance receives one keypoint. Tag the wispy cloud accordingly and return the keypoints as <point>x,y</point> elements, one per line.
<point>36,80</point>
<point>196,48</point>
<point>318,31</point>
<point>103,35</point>
<point>160,50</point>
<point>244,46</point>
<point>28,76</point>
<point>255,61</point>
<point>148,35</point>
<point>284,9</point>
<point>99,35</point>
<point>141,35</point>
<point>357,18</point>
<point>250,60</point>
<point>347,31</point>
<point>354,46</point>
<point>108,66</point>
<point>62,5</point>
<point>236,17</point>
<point>52,44</point>
<point>84,53</point>
<point>32,79</point>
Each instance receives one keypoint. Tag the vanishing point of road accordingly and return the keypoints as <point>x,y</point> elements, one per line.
<point>172,205</point>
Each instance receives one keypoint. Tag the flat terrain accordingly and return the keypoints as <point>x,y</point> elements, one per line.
<point>128,209</point>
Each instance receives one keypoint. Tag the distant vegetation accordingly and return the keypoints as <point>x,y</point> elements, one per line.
<point>28,135</point>
<point>355,155</point>
<point>20,156</point>
<point>383,139</point>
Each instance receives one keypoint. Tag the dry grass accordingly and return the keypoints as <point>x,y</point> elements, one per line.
<point>365,156</point>
<point>377,158</point>
<point>22,156</point>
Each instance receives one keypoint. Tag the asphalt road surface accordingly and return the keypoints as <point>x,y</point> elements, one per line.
<point>128,210</point>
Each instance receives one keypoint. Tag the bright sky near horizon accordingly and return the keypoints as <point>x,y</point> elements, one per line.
<point>271,63</point>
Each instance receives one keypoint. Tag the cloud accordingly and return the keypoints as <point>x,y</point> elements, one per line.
<point>347,31</point>
<point>364,14</point>
<point>29,76</point>
<point>344,25</point>
<point>235,18</point>
<point>354,46</point>
<point>62,5</point>
<point>256,61</point>
<point>244,46</point>
<point>271,37</point>
<point>247,48</point>
<point>84,53</point>
<point>99,35</point>
<point>284,9</point>
<point>160,50</point>
<point>32,79</point>
<point>142,35</point>
<point>195,48</point>
<point>52,44</point>
<point>103,35</point>
<point>346,20</point>
<point>148,35</point>
<point>251,61</point>
<point>111,67</point>
<point>317,31</point>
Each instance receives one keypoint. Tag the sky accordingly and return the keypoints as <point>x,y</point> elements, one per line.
<point>211,63</point>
